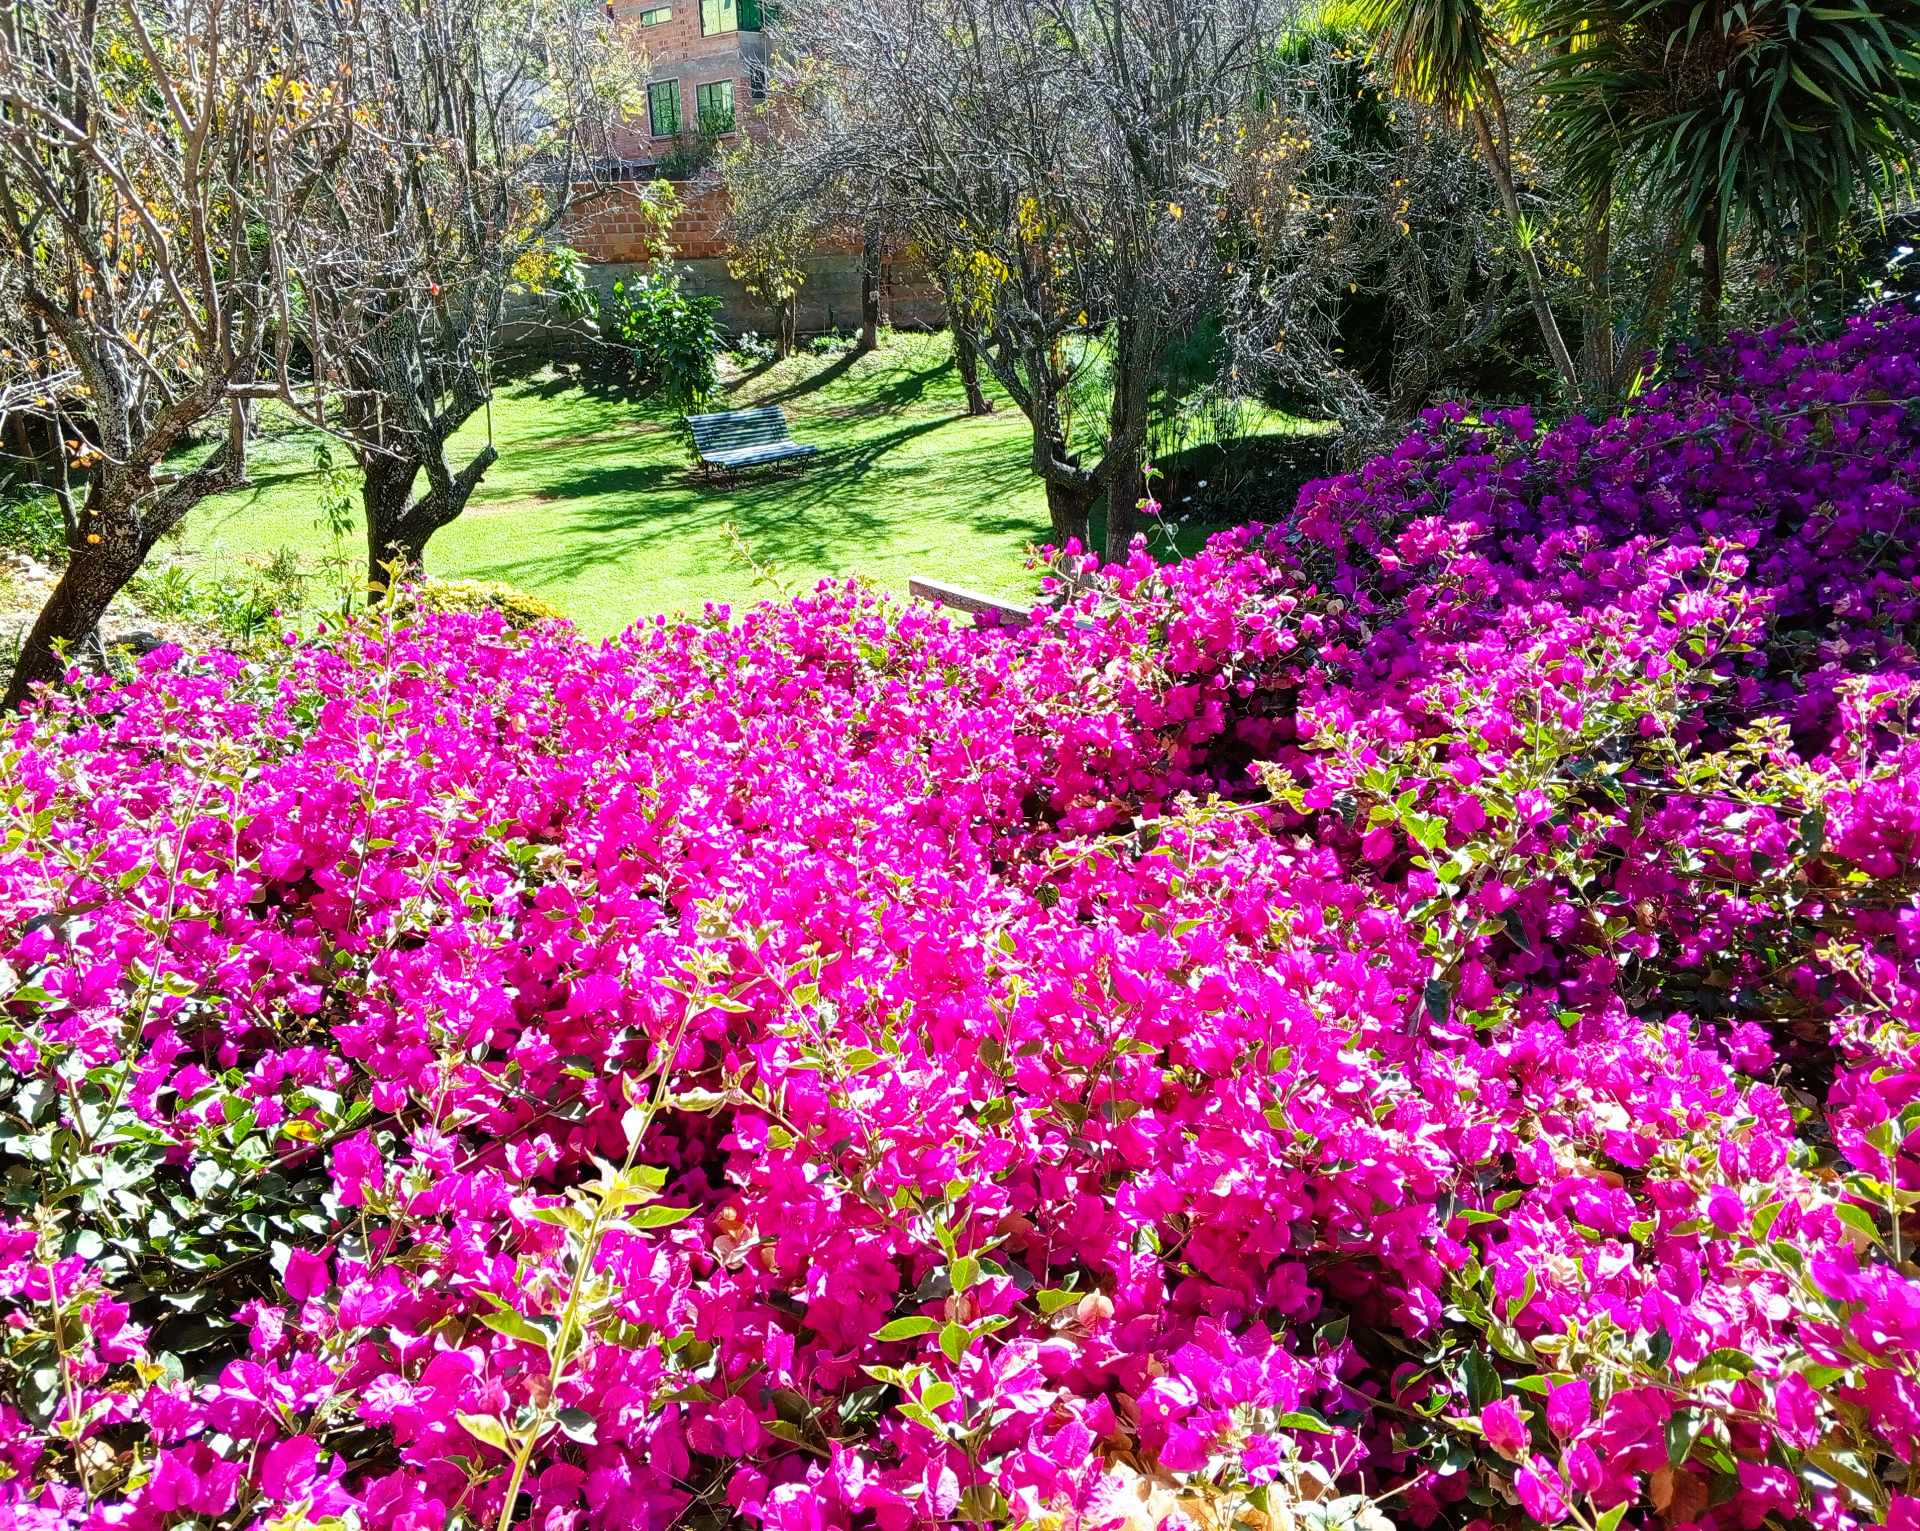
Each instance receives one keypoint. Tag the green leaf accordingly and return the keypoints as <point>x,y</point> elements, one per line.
<point>1683,1429</point>
<point>1483,1382</point>
<point>906,1328</point>
<point>1517,1304</point>
<point>515,1326</point>
<point>936,1394</point>
<point>954,1340</point>
<point>1297,1419</point>
<point>1736,1361</point>
<point>578,1425</point>
<point>1053,1298</point>
<point>488,1430</point>
<point>658,1217</point>
<point>963,1273</point>
<point>1859,1220</point>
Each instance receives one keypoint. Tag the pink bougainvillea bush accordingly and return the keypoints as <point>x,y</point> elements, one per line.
<point>1408,1016</point>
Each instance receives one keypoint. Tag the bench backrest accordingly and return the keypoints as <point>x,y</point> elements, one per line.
<point>739,428</point>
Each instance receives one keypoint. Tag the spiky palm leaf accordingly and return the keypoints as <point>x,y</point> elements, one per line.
<point>1440,51</point>
<point>1783,110</point>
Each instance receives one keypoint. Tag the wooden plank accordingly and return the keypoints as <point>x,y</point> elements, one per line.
<point>986,610</point>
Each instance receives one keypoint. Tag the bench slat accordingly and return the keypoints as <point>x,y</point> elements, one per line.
<point>746,457</point>
<point>745,438</point>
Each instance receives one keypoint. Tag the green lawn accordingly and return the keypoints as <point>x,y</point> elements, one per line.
<point>593,505</point>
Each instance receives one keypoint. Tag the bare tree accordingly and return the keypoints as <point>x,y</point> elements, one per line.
<point>158,164</point>
<point>1057,159</point>
<point>1371,263</point>
<point>488,122</point>
<point>770,234</point>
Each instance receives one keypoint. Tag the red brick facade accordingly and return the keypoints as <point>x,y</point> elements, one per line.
<point>678,50</point>
<point>609,228</point>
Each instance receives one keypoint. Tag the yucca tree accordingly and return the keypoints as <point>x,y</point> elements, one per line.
<point>1782,113</point>
<point>1447,53</point>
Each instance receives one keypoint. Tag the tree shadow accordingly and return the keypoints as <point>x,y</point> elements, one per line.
<point>752,374</point>
<point>812,382</point>
<point>816,517</point>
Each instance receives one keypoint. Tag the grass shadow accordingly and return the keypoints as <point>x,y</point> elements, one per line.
<point>812,517</point>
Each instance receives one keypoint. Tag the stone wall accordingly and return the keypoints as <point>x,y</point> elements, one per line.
<point>830,300</point>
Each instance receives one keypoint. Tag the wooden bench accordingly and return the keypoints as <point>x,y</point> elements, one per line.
<point>729,443</point>
<point>986,610</point>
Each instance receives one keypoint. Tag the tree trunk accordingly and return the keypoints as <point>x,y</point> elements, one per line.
<point>1070,508</point>
<point>1713,276</point>
<point>1599,359</point>
<point>1674,252</point>
<point>1126,434</point>
<point>870,293</point>
<point>22,442</point>
<point>966,356</point>
<point>94,575</point>
<point>398,531</point>
<point>787,318</point>
<point>106,544</point>
<point>1530,267</point>
<point>1125,490</point>
<point>385,490</point>
<point>239,431</point>
<point>403,557</point>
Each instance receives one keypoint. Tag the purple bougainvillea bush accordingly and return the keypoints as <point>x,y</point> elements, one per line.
<point>1412,1016</point>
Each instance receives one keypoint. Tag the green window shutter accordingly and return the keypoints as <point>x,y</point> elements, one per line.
<point>753,15</point>
<point>663,108</point>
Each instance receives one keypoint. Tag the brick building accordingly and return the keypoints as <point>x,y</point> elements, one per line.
<point>706,72</point>
<point>707,66</point>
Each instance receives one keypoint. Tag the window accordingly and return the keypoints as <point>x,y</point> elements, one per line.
<point>663,108</point>
<point>714,104</point>
<point>719,16</point>
<point>656,16</point>
<point>757,75</point>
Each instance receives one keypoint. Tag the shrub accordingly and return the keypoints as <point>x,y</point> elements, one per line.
<point>1412,1013</point>
<point>663,341</point>
<point>753,348</point>
<point>31,523</point>
<point>479,596</point>
<point>246,611</point>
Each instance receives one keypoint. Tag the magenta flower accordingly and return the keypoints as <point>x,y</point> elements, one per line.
<point>1541,1492</point>
<point>1203,1039</point>
<point>1506,1429</point>
<point>307,1274</point>
<point>1569,1408</point>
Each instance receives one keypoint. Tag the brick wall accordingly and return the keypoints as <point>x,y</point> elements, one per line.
<point>609,225</point>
